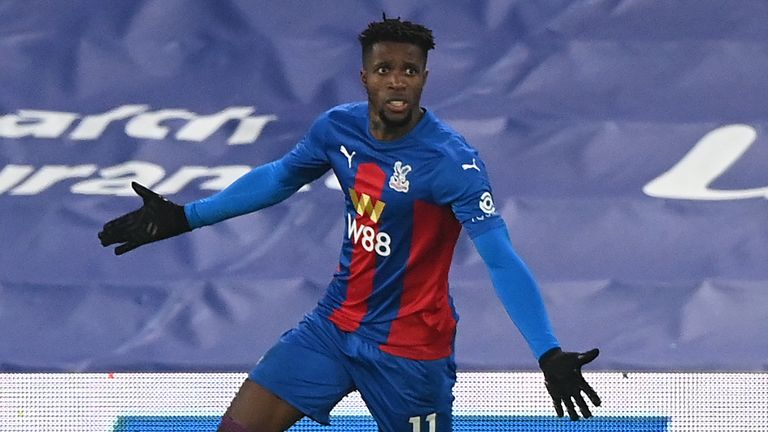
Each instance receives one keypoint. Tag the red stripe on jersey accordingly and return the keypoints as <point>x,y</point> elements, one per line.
<point>425,325</point>
<point>369,180</point>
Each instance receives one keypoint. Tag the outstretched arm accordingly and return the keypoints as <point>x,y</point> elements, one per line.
<point>521,297</point>
<point>159,218</point>
<point>262,187</point>
<point>517,290</point>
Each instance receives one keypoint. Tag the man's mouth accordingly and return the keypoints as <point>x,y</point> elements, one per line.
<point>397,105</point>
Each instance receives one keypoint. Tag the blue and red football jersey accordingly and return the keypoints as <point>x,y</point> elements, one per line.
<point>406,201</point>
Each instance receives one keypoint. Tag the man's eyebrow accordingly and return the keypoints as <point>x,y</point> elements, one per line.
<point>381,63</point>
<point>409,64</point>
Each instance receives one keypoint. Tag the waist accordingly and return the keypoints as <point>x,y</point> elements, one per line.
<point>422,335</point>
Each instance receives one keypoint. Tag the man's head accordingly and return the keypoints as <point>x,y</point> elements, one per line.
<point>394,73</point>
<point>395,30</point>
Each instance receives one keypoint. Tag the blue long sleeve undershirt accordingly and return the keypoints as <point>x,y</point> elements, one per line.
<point>262,187</point>
<point>517,290</point>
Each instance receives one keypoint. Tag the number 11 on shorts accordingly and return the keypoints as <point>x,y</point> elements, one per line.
<point>431,421</point>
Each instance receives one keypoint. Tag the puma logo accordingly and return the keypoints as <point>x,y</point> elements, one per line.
<point>473,165</point>
<point>346,153</point>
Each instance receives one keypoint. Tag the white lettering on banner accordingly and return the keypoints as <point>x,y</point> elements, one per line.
<point>11,175</point>
<point>93,126</point>
<point>141,124</point>
<point>38,124</point>
<point>49,175</point>
<point>115,180</point>
<point>150,125</point>
<point>690,178</point>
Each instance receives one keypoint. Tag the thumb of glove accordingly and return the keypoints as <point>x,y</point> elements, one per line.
<point>587,357</point>
<point>144,193</point>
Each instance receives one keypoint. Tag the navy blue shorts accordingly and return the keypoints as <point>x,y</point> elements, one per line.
<point>315,365</point>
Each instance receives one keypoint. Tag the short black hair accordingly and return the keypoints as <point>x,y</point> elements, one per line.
<point>395,30</point>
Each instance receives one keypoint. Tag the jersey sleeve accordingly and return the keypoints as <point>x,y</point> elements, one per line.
<point>517,289</point>
<point>267,184</point>
<point>461,181</point>
<point>308,160</point>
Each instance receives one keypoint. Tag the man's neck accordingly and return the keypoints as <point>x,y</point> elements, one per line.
<point>382,132</point>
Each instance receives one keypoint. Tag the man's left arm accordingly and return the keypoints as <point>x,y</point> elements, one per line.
<point>520,294</point>
<point>461,181</point>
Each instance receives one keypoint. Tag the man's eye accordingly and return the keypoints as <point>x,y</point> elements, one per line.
<point>411,71</point>
<point>382,69</point>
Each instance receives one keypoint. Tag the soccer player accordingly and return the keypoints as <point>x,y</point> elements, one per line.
<point>386,324</point>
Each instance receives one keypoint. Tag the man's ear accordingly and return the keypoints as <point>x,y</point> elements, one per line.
<point>363,77</point>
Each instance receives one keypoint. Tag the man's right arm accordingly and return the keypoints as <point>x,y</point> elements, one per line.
<point>159,218</point>
<point>268,184</point>
<point>262,187</point>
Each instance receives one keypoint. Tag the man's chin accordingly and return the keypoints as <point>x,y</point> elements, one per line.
<point>395,123</point>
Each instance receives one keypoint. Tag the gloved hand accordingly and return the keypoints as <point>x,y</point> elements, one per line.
<point>562,376</point>
<point>156,220</point>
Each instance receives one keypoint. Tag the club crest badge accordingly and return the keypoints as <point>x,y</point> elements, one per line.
<point>398,181</point>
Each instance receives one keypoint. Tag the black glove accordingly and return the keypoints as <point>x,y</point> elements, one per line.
<point>157,219</point>
<point>562,376</point>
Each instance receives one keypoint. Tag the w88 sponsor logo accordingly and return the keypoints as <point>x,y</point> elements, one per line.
<point>368,238</point>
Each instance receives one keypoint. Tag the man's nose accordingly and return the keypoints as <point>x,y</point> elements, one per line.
<point>397,81</point>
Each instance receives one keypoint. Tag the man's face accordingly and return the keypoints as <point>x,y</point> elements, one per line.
<point>394,75</point>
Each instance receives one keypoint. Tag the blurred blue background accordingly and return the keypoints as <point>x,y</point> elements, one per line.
<point>624,139</point>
